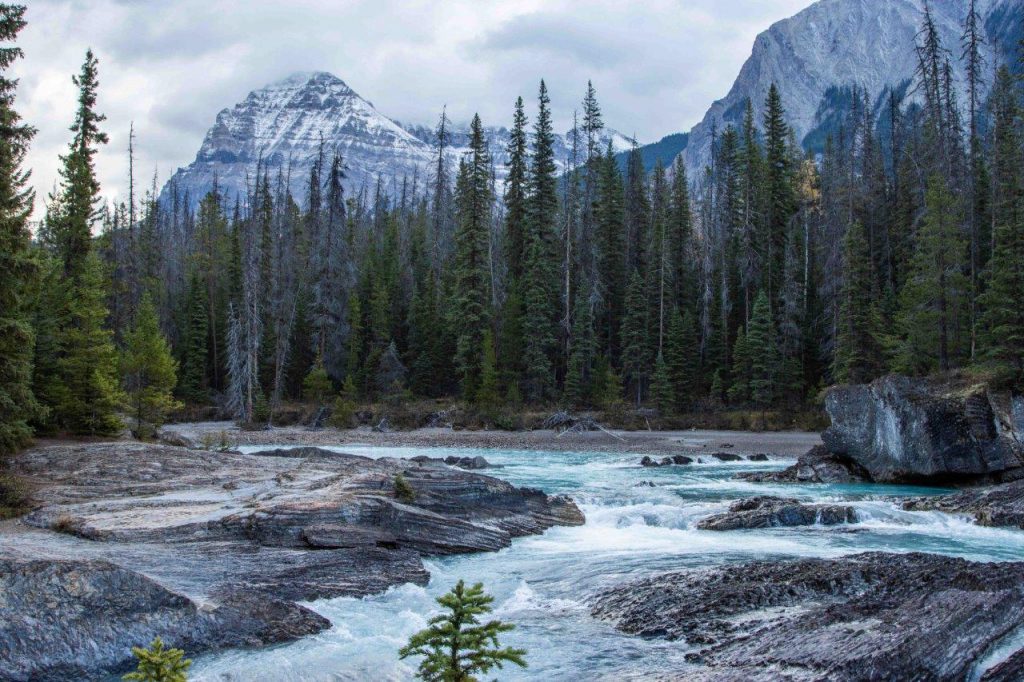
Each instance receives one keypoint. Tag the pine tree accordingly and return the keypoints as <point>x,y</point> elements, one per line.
<point>761,344</point>
<point>472,279</point>
<point>150,372</point>
<point>541,285</point>
<point>456,646</point>
<point>18,405</point>
<point>635,346</point>
<point>932,313</point>
<point>662,393</point>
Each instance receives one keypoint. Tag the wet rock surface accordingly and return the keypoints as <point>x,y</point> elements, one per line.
<point>64,620</point>
<point>243,535</point>
<point>470,463</point>
<point>913,430</point>
<point>771,512</point>
<point>674,460</point>
<point>818,465</point>
<point>1000,505</point>
<point>873,616</point>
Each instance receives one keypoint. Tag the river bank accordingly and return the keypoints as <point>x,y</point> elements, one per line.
<point>777,444</point>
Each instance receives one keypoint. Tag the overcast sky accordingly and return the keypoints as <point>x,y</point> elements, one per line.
<point>171,65</point>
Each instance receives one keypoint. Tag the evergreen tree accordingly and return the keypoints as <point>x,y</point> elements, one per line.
<point>487,396</point>
<point>1002,321</point>
<point>192,386</point>
<point>682,354</point>
<point>456,646</point>
<point>662,393</point>
<point>611,247</point>
<point>779,195</point>
<point>473,201</point>
<point>932,313</point>
<point>149,372</point>
<point>516,195</point>
<point>19,269</point>
<point>581,358</point>
<point>858,352</point>
<point>158,664</point>
<point>86,387</point>
<point>635,346</point>
<point>541,285</point>
<point>742,369</point>
<point>761,345</point>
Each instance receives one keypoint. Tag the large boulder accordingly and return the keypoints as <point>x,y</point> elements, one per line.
<point>817,465</point>
<point>901,429</point>
<point>875,616</point>
<point>772,512</point>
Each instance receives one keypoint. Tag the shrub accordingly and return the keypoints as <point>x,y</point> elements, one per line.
<point>403,491</point>
<point>14,496</point>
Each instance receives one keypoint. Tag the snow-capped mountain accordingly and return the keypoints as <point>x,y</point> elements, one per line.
<point>841,43</point>
<point>282,125</point>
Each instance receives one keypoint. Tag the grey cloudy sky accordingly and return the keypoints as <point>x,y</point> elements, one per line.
<point>171,65</point>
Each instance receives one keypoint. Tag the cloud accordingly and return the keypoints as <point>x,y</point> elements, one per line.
<point>169,67</point>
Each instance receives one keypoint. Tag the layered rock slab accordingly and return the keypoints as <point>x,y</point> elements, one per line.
<point>236,533</point>
<point>772,512</point>
<point>873,616</point>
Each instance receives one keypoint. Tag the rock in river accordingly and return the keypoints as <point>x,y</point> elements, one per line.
<point>874,616</point>
<point>770,512</point>
<point>901,429</point>
<point>142,535</point>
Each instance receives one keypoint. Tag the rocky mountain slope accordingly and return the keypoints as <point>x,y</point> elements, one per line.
<point>282,126</point>
<point>839,43</point>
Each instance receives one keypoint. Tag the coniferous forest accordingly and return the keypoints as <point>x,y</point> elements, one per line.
<point>767,277</point>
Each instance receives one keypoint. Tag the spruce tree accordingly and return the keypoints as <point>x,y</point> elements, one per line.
<point>472,239</point>
<point>541,285</point>
<point>456,646</point>
<point>611,247</point>
<point>19,269</point>
<point>516,195</point>
<point>858,353</point>
<point>487,395</point>
<point>150,372</point>
<point>682,354</point>
<point>635,343</point>
<point>192,386</point>
<point>932,302</point>
<point>81,382</point>
<point>86,387</point>
<point>1002,321</point>
<point>581,358</point>
<point>742,369</point>
<point>761,345</point>
<point>662,394</point>
<point>779,193</point>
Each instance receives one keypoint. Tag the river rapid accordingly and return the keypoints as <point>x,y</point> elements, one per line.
<point>639,522</point>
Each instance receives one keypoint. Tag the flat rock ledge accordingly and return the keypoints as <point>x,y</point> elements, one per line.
<point>212,550</point>
<point>772,512</point>
<point>874,616</point>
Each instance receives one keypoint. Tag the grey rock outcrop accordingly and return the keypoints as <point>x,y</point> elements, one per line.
<point>771,512</point>
<point>1001,505</point>
<point>902,429</point>
<point>243,535</point>
<point>63,620</point>
<point>818,465</point>
<point>874,616</point>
